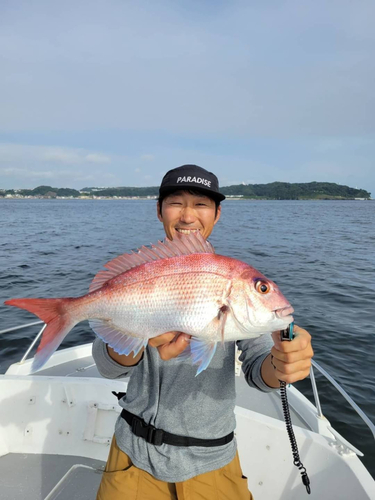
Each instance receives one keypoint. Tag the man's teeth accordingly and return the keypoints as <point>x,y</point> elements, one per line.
<point>187,231</point>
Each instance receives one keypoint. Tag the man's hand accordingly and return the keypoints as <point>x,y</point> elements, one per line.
<point>288,361</point>
<point>170,344</point>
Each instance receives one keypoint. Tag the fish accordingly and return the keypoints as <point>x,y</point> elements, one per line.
<point>178,285</point>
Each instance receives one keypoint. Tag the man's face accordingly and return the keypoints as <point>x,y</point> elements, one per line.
<point>184,212</point>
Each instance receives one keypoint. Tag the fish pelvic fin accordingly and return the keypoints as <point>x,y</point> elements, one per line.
<point>200,350</point>
<point>183,244</point>
<point>55,313</point>
<point>121,341</point>
<point>202,353</point>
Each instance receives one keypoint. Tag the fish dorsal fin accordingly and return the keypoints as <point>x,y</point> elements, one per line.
<point>183,244</point>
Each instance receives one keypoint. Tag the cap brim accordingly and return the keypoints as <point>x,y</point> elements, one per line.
<point>211,194</point>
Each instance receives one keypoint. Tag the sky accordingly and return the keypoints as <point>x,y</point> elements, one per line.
<point>115,93</point>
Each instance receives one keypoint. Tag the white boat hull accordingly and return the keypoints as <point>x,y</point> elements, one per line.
<point>74,416</point>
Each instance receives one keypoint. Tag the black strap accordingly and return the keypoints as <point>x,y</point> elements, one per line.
<point>119,395</point>
<point>158,436</point>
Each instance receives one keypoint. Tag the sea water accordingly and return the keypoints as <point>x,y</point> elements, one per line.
<point>320,253</point>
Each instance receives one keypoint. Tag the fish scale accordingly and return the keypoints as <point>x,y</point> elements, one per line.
<point>167,303</point>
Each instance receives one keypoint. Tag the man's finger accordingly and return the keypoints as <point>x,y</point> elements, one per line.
<point>173,349</point>
<point>292,356</point>
<point>302,365</point>
<point>164,338</point>
<point>300,342</point>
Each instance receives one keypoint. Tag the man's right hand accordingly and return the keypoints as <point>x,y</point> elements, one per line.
<point>170,344</point>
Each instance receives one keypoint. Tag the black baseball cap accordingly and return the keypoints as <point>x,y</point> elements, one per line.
<point>191,177</point>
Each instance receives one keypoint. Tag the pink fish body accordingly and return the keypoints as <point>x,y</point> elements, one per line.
<point>179,285</point>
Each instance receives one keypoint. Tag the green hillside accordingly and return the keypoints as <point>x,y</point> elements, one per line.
<point>271,191</point>
<point>296,191</point>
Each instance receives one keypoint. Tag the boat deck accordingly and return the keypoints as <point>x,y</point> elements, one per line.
<point>68,408</point>
<point>36,476</point>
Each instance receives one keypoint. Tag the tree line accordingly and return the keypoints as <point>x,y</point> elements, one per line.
<point>271,191</point>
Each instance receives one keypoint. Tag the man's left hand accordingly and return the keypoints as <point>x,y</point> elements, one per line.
<point>288,361</point>
<point>292,360</point>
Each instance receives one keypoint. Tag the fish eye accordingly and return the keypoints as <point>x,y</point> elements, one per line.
<point>262,287</point>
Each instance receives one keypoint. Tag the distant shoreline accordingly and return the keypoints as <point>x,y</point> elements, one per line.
<point>148,198</point>
<point>272,191</point>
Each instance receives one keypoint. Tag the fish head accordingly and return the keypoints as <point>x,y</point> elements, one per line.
<point>262,307</point>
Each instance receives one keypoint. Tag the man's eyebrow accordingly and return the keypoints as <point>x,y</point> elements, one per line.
<point>181,192</point>
<point>175,193</point>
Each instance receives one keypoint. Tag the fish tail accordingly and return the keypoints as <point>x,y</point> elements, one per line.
<point>59,318</point>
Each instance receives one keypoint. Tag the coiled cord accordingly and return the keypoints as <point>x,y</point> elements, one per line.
<point>292,438</point>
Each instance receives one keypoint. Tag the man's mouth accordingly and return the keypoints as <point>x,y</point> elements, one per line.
<point>186,231</point>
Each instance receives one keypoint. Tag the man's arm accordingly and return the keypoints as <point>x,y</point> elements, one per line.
<point>288,361</point>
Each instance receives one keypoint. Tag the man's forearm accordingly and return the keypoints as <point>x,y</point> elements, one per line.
<point>124,360</point>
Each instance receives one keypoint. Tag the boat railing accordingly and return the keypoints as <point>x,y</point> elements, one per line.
<point>20,327</point>
<point>315,365</point>
<point>338,387</point>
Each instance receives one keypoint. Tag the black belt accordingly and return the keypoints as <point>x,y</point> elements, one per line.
<point>158,436</point>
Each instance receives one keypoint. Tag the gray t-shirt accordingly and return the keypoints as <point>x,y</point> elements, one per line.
<point>168,395</point>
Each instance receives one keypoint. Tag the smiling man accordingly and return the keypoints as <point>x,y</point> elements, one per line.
<point>195,457</point>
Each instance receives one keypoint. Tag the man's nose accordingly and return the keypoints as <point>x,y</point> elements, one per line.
<point>187,215</point>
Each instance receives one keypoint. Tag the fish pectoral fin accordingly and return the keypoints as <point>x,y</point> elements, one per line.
<point>216,327</point>
<point>236,320</point>
<point>200,352</point>
<point>122,341</point>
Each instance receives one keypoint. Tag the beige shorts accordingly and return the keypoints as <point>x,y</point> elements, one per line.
<point>124,481</point>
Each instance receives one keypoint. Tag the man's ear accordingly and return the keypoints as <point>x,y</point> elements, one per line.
<point>218,213</point>
<point>158,212</point>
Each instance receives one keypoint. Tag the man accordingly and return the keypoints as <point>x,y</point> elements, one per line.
<point>165,394</point>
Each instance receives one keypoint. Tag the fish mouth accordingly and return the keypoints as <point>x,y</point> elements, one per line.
<point>186,231</point>
<point>284,312</point>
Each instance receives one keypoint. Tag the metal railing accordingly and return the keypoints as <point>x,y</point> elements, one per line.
<point>337,386</point>
<point>330,379</point>
<point>26,326</point>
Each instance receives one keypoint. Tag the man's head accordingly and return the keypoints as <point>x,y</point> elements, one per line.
<point>189,200</point>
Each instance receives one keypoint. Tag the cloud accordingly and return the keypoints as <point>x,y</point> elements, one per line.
<point>69,156</point>
<point>56,175</point>
<point>147,157</point>
<point>23,165</point>
<point>97,158</point>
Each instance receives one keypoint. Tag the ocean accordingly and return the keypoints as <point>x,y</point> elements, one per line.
<point>320,253</point>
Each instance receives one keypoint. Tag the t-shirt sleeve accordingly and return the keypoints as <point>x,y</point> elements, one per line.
<point>254,352</point>
<point>108,367</point>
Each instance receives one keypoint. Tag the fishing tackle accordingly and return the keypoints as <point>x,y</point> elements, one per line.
<point>287,335</point>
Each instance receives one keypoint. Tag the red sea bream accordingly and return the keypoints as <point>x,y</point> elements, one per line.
<point>179,285</point>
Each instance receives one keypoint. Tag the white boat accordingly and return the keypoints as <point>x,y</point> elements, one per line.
<point>57,424</point>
